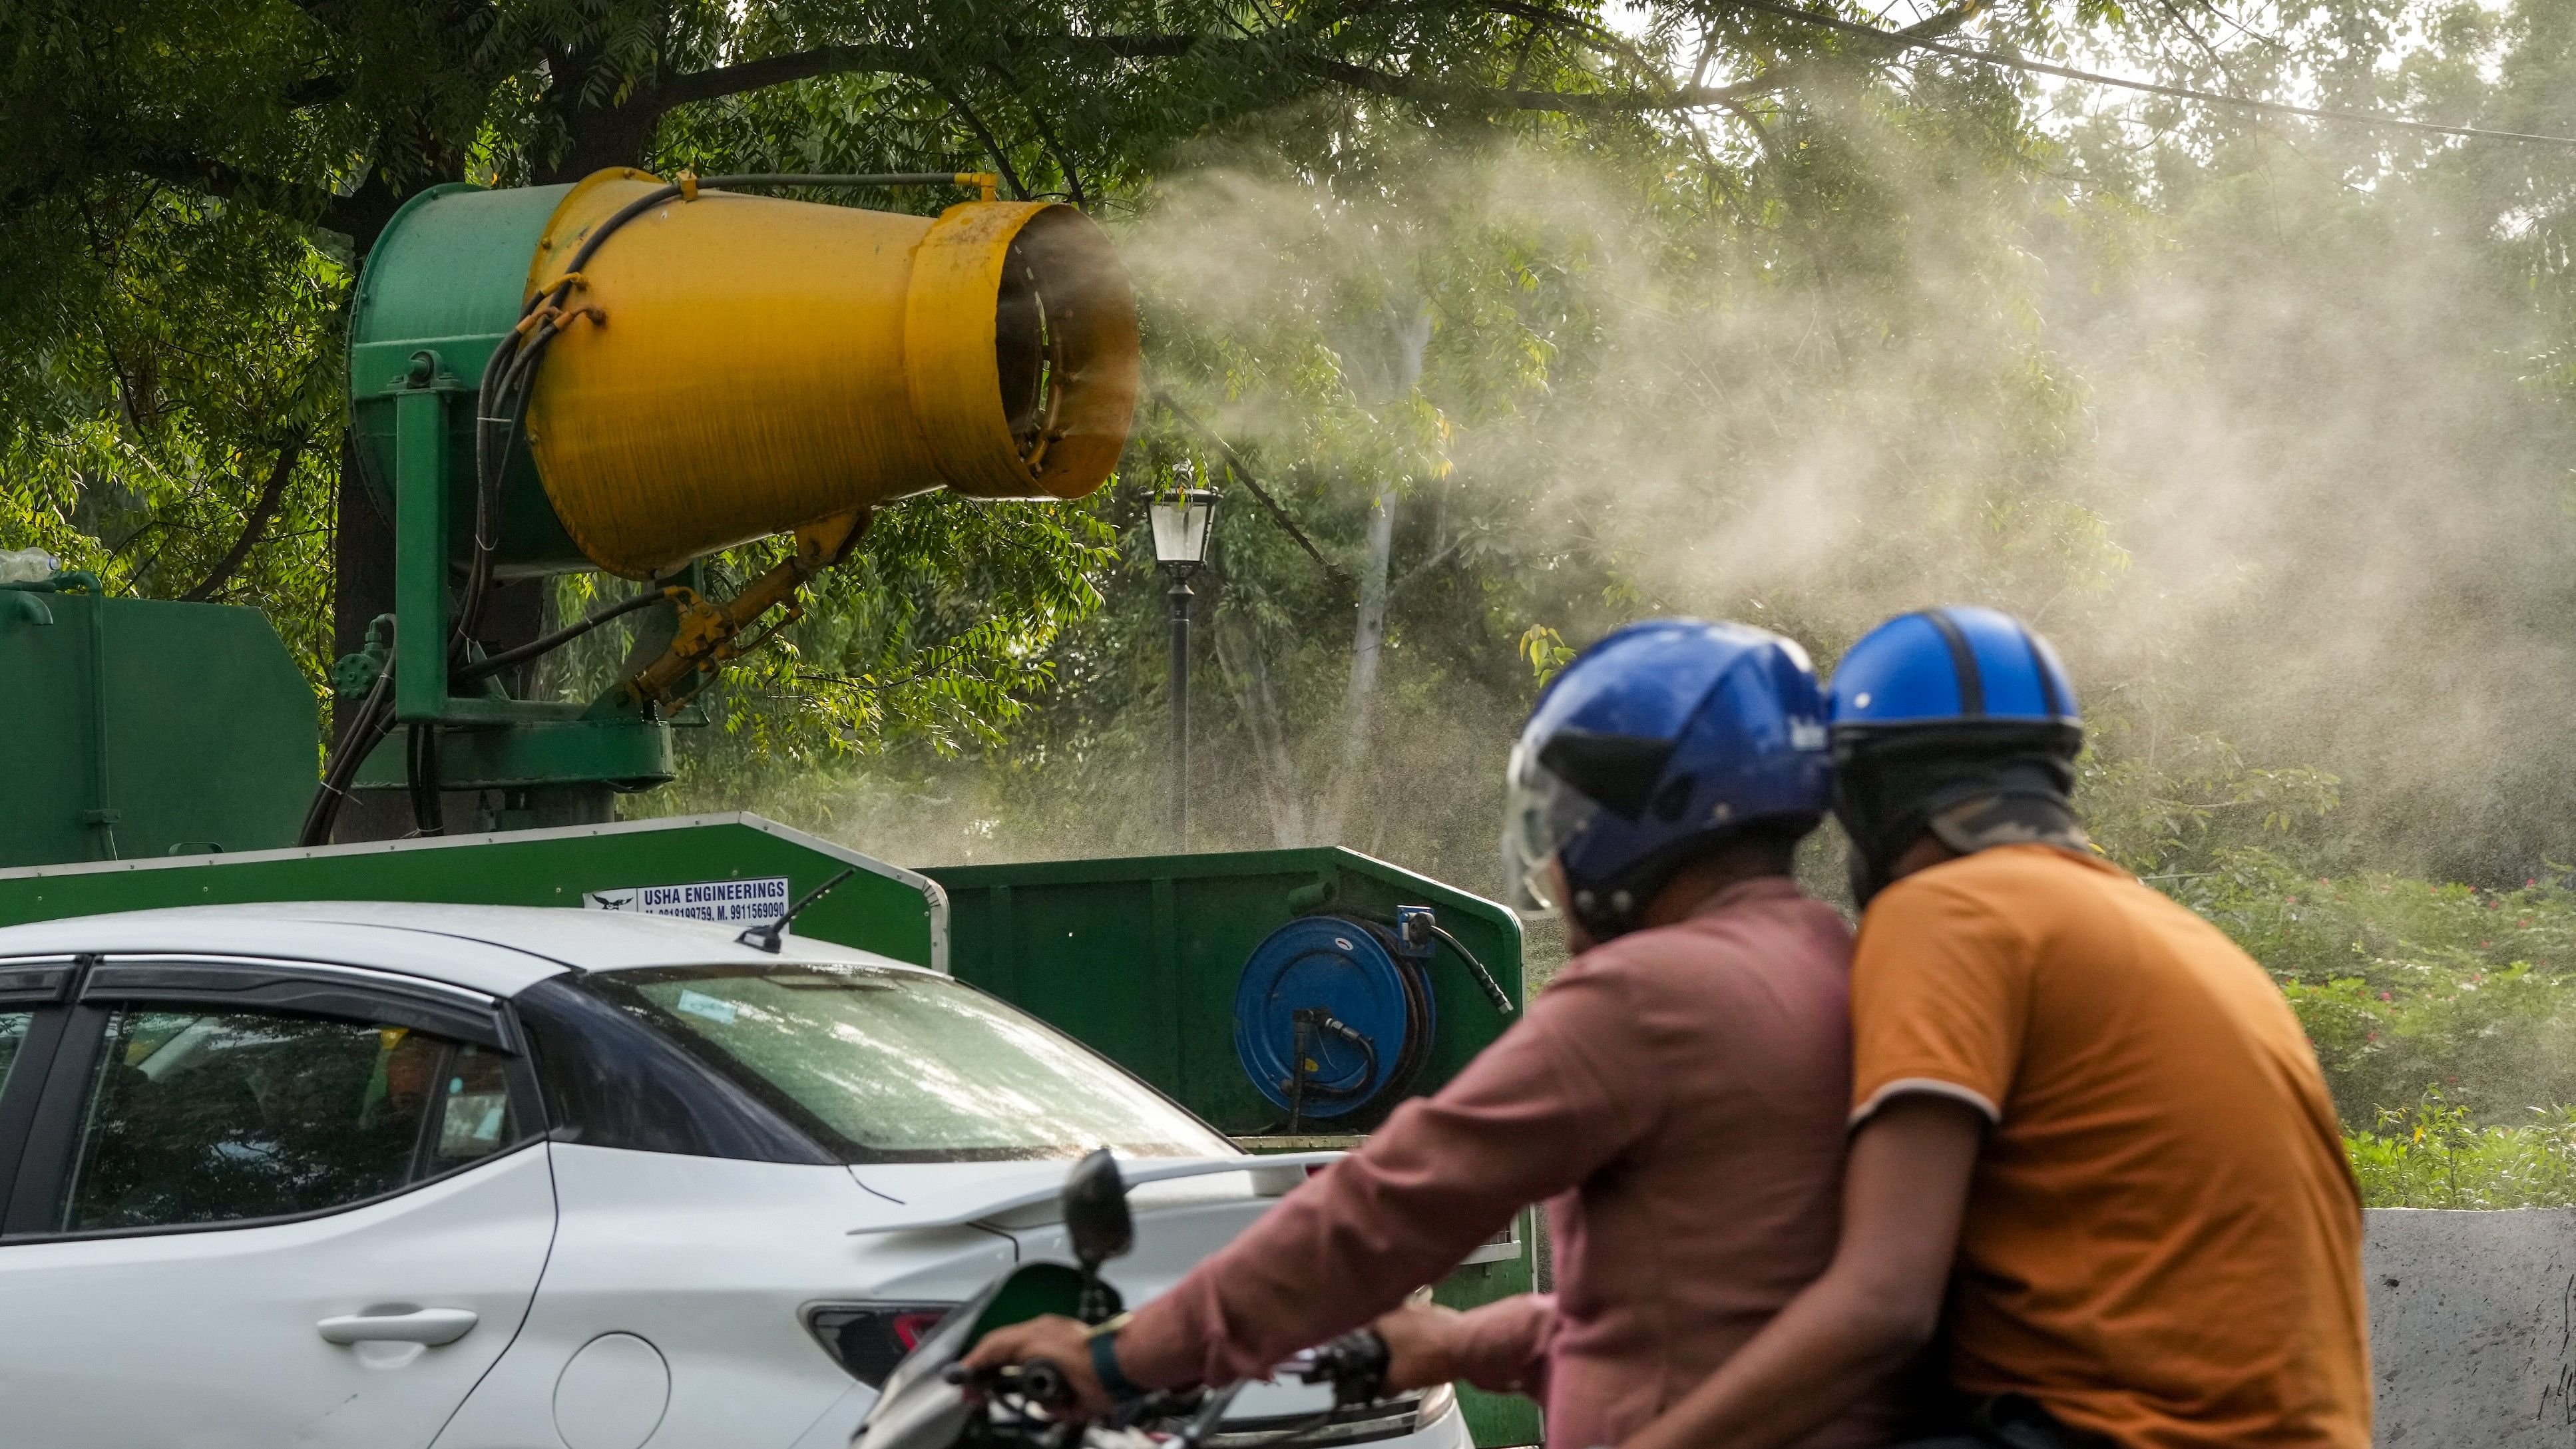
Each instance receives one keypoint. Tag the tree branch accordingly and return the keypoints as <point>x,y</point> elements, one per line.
<point>361,216</point>
<point>257,524</point>
<point>1046,136</point>
<point>221,179</point>
<point>357,217</point>
<point>992,147</point>
<point>752,75</point>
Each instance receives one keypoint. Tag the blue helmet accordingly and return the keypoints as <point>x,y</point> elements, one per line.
<point>1958,722</point>
<point>1959,665</point>
<point>1660,739</point>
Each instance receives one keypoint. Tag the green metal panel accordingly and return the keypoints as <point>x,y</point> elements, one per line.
<point>532,752</point>
<point>449,276</point>
<point>1138,957</point>
<point>883,908</point>
<point>420,574</point>
<point>139,727</point>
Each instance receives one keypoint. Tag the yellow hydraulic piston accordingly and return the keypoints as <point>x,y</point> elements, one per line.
<point>733,366</point>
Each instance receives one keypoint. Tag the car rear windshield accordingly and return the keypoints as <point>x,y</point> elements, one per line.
<point>886,1065</point>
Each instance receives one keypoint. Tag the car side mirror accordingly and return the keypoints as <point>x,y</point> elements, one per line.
<point>1095,1211</point>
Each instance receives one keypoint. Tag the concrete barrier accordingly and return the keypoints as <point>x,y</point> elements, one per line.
<point>2473,1327</point>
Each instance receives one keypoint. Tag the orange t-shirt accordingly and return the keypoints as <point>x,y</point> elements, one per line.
<point>2163,1239</point>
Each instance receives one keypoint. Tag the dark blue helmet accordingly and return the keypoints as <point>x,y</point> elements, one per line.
<point>1654,743</point>
<point>1959,722</point>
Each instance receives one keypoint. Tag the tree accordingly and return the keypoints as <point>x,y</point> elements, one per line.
<point>247,152</point>
<point>2254,417</point>
<point>1865,324</point>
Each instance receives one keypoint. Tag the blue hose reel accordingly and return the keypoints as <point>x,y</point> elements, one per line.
<point>1334,1017</point>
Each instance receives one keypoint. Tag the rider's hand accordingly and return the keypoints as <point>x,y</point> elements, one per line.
<point>1420,1345</point>
<point>1062,1341</point>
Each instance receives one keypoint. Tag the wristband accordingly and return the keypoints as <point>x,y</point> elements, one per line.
<point>1104,1362</point>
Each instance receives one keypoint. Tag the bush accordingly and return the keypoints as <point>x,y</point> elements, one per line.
<point>2405,985</point>
<point>2444,1017</point>
<point>2436,1157</point>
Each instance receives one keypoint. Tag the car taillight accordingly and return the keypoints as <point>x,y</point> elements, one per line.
<point>869,1339</point>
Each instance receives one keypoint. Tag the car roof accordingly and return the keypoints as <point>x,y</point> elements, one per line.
<point>501,950</point>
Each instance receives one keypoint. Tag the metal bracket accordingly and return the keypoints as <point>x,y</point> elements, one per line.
<point>485,739</point>
<point>712,635</point>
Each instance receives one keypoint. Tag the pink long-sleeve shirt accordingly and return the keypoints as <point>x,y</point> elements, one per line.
<point>1676,1096</point>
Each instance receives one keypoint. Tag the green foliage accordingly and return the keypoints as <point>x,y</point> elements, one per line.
<point>2164,805</point>
<point>192,393</point>
<point>1509,332</point>
<point>2434,1156</point>
<point>2403,984</point>
<point>254,148</point>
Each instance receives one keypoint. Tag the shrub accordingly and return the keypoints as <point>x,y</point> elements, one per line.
<point>2436,1157</point>
<point>2405,985</point>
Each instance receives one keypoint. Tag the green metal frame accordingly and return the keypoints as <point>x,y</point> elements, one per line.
<point>457,257</point>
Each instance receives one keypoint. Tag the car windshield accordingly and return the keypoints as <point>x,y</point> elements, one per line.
<point>885,1065</point>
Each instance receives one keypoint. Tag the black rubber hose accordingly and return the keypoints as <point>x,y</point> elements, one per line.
<point>549,643</point>
<point>651,199</point>
<point>1325,1021</point>
<point>1493,989</point>
<point>616,219</point>
<point>492,410</point>
<point>1408,1063</point>
<point>420,760</point>
<point>374,721</point>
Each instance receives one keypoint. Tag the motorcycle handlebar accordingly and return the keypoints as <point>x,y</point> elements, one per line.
<point>1354,1364</point>
<point>1040,1381</point>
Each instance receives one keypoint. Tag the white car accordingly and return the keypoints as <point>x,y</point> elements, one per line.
<point>378,1176</point>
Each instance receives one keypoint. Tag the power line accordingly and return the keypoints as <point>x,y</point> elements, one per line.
<point>1896,41</point>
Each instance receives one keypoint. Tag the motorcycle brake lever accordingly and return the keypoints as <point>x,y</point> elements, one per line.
<point>1040,1381</point>
<point>1355,1364</point>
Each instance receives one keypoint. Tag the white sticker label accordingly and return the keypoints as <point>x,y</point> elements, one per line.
<point>713,1008</point>
<point>726,902</point>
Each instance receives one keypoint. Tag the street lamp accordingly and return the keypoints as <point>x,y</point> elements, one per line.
<point>1180,517</point>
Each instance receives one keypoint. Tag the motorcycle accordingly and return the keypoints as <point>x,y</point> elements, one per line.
<point>932,1401</point>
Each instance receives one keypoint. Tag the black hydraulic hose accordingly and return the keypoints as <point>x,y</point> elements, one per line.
<point>654,198</point>
<point>1317,1019</point>
<point>1300,1033</point>
<point>374,720</point>
<point>548,643</point>
<point>1417,1037</point>
<point>420,773</point>
<point>616,219</point>
<point>1493,989</point>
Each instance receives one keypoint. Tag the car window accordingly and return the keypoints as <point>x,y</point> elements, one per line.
<point>13,1033</point>
<point>220,1116</point>
<point>610,1080</point>
<point>904,1066</point>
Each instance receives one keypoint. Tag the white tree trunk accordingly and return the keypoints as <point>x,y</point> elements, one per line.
<point>1247,678</point>
<point>1368,638</point>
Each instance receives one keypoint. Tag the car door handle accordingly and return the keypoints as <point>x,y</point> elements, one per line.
<point>432,1326</point>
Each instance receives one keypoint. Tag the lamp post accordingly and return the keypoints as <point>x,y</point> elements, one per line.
<point>1180,518</point>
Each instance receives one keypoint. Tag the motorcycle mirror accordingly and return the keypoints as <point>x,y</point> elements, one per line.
<point>1095,1211</point>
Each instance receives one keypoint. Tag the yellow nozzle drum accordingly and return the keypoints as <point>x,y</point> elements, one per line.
<point>761,364</point>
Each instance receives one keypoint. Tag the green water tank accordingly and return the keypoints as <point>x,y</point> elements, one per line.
<point>143,727</point>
